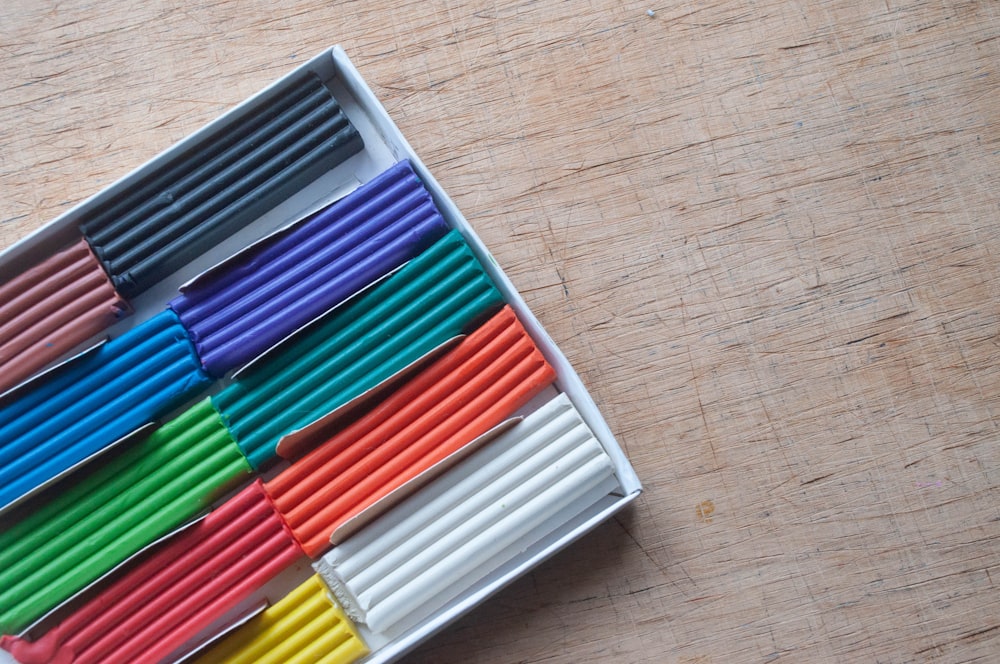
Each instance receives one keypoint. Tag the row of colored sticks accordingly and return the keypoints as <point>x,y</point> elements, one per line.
<point>427,320</point>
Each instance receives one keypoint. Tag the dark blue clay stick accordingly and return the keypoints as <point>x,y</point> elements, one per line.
<point>221,184</point>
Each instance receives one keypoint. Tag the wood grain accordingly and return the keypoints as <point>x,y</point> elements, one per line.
<point>766,233</point>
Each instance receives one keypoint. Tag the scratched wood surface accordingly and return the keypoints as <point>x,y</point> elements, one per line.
<point>765,232</point>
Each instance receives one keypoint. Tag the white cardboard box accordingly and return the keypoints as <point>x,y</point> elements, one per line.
<point>384,145</point>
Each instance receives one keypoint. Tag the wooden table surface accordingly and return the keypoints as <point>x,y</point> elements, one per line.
<point>765,232</point>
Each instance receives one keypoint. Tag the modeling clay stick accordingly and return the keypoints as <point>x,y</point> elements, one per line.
<point>434,297</point>
<point>178,174</point>
<point>51,308</point>
<point>220,183</point>
<point>183,177</point>
<point>262,296</point>
<point>150,610</point>
<point>307,626</point>
<point>478,515</point>
<point>99,398</point>
<point>61,544</point>
<point>220,189</point>
<point>471,389</point>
